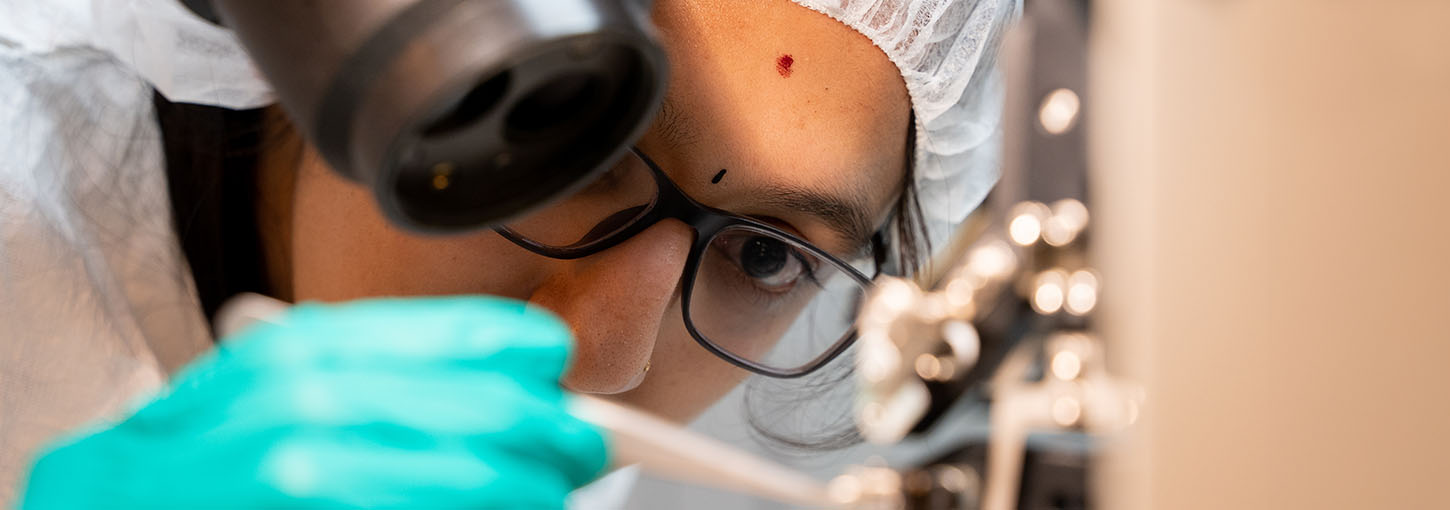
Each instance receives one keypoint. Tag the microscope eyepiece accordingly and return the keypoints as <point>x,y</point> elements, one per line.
<point>458,114</point>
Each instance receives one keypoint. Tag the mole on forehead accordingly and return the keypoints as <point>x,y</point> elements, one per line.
<point>783,65</point>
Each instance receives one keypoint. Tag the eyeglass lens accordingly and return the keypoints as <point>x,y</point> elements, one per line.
<point>617,199</point>
<point>758,295</point>
<point>768,299</point>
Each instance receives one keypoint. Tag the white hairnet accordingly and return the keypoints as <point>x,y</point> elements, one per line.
<point>185,57</point>
<point>96,302</point>
<point>945,51</point>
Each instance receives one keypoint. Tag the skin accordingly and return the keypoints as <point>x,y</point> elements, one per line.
<point>836,125</point>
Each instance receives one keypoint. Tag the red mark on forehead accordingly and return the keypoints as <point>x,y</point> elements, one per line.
<point>782,65</point>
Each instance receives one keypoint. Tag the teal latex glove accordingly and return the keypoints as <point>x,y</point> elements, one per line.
<point>417,403</point>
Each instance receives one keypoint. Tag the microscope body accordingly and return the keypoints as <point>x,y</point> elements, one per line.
<point>458,114</point>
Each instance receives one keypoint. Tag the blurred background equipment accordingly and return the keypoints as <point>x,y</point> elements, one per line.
<point>1003,318</point>
<point>449,109</point>
<point>1270,182</point>
<point>1268,237</point>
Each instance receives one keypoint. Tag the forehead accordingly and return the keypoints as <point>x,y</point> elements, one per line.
<point>772,91</point>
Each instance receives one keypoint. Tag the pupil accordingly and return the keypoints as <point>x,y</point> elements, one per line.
<point>762,257</point>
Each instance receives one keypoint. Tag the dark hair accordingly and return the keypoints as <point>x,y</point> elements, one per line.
<point>211,162</point>
<point>910,239</point>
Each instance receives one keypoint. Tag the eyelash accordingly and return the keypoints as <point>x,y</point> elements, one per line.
<point>808,274</point>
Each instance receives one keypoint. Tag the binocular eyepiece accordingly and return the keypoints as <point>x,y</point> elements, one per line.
<point>458,114</point>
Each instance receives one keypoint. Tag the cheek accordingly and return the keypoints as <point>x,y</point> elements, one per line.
<point>343,248</point>
<point>468,265</point>
<point>684,378</point>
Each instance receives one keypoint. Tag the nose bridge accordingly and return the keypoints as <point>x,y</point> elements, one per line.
<point>658,244</point>
<point>616,301</point>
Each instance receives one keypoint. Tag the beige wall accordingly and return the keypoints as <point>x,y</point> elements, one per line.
<point>1273,192</point>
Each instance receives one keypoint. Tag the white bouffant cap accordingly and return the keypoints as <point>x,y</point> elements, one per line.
<point>946,52</point>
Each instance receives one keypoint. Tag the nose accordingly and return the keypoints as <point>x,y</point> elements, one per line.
<point>616,302</point>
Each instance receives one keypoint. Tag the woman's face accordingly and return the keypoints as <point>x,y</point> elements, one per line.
<point>786,100</point>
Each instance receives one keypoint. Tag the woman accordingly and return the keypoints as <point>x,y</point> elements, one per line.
<point>807,127</point>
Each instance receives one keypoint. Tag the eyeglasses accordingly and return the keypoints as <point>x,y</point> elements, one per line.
<point>758,297</point>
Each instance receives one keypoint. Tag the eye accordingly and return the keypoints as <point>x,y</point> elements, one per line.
<point>772,264</point>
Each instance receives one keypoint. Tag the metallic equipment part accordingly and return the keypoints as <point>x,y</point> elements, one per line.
<point>458,114</point>
<point>1075,392</point>
<point>954,486</point>
<point>1054,475</point>
<point>1015,293</point>
<point>869,487</point>
<point>1029,238</point>
<point>1017,269</point>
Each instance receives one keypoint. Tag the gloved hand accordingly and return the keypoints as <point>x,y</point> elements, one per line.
<point>418,403</point>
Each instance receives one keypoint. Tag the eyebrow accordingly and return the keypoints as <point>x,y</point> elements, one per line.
<point>846,216</point>
<point>674,126</point>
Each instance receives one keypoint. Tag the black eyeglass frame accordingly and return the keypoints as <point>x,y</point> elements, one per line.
<point>706,222</point>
